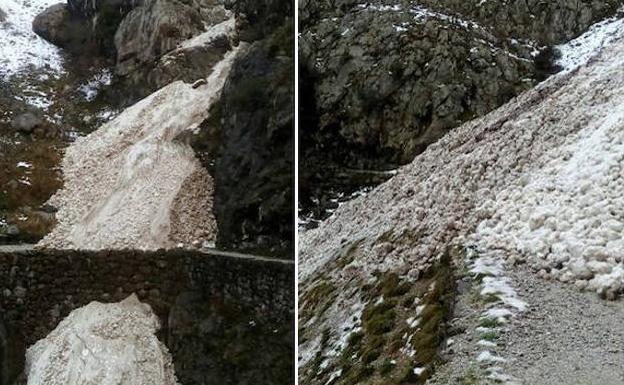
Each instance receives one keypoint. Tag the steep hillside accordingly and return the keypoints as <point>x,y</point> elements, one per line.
<point>451,244</point>
<point>382,80</point>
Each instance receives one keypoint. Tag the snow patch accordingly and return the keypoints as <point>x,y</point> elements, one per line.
<point>20,47</point>
<point>579,51</point>
<point>103,344</point>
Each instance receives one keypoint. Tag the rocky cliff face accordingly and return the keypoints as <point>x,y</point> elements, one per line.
<point>254,161</point>
<point>251,135</point>
<point>388,78</point>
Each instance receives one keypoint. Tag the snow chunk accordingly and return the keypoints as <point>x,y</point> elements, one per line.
<point>105,344</point>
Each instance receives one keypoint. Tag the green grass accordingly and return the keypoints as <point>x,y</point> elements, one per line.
<point>490,323</point>
<point>489,336</point>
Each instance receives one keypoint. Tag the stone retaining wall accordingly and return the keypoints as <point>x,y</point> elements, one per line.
<point>237,295</point>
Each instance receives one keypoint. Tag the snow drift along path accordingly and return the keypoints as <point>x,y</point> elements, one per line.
<point>103,344</point>
<point>131,184</point>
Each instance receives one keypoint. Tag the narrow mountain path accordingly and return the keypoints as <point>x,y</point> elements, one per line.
<point>565,336</point>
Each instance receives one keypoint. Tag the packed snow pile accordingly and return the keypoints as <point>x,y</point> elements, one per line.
<point>579,51</point>
<point>134,183</point>
<point>538,180</point>
<point>20,47</point>
<point>103,344</point>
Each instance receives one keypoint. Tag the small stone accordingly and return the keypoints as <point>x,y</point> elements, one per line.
<point>199,83</point>
<point>26,122</point>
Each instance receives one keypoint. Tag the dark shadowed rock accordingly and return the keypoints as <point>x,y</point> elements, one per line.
<point>260,18</point>
<point>52,25</point>
<point>218,342</point>
<point>253,169</point>
<point>26,122</point>
<point>2,16</point>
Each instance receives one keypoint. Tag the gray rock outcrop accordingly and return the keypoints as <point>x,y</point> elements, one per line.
<point>157,27</point>
<point>254,162</point>
<point>391,77</point>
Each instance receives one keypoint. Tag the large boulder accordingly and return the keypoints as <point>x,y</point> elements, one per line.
<point>51,23</point>
<point>83,27</point>
<point>56,25</point>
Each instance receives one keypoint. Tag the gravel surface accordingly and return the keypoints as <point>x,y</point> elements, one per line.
<point>565,337</point>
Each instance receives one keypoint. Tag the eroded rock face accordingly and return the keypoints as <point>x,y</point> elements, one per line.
<point>157,27</point>
<point>254,160</point>
<point>103,344</point>
<point>2,16</point>
<point>392,77</point>
<point>194,58</point>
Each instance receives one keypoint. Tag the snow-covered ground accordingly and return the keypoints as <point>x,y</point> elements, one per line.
<point>103,344</point>
<point>134,183</point>
<point>20,47</point>
<point>580,50</point>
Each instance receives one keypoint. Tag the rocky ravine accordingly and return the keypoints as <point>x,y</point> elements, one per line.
<point>132,184</point>
<point>536,183</point>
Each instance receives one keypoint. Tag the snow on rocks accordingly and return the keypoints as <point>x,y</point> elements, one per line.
<point>102,344</point>
<point>538,180</point>
<point>20,47</point>
<point>579,51</point>
<point>133,183</point>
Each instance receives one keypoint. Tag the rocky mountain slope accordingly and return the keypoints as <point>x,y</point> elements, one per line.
<point>445,252</point>
<point>158,55</point>
<point>381,80</point>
